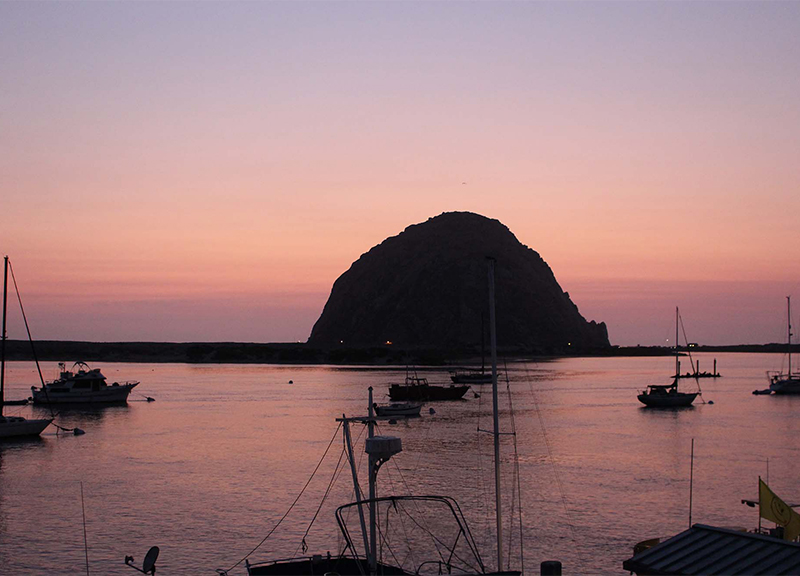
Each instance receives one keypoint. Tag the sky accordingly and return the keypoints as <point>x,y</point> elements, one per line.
<point>180,171</point>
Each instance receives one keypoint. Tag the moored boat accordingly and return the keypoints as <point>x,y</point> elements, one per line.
<point>786,382</point>
<point>406,409</point>
<point>13,426</point>
<point>419,390</point>
<point>82,386</point>
<point>668,395</point>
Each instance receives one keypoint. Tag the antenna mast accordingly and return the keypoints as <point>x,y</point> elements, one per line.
<point>495,418</point>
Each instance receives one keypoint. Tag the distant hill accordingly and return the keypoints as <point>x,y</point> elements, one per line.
<point>427,287</point>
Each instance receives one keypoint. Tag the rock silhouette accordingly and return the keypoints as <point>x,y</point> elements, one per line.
<point>427,288</point>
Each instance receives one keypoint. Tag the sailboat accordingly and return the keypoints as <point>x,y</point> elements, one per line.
<point>13,426</point>
<point>667,395</point>
<point>786,383</point>
<point>455,552</point>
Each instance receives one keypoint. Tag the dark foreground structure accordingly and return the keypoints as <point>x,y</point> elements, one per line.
<point>710,550</point>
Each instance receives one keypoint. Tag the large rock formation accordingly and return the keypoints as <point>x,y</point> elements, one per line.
<point>427,287</point>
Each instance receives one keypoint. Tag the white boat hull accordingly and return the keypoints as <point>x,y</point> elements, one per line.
<point>106,395</point>
<point>17,427</point>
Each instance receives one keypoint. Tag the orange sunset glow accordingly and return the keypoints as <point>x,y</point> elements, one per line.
<point>205,171</point>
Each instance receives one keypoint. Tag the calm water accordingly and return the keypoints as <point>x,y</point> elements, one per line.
<point>209,468</point>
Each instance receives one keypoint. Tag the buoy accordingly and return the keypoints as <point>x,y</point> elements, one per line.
<point>291,381</point>
<point>78,432</point>
<point>431,411</point>
<point>710,401</point>
<point>149,399</point>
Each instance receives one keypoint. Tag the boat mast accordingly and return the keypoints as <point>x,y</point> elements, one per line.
<point>677,362</point>
<point>3,340</point>
<point>495,418</point>
<point>789,339</point>
<point>351,457</point>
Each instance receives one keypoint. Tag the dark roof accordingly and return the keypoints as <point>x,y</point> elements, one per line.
<point>710,550</point>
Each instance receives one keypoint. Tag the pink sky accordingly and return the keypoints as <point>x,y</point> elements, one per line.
<point>205,171</point>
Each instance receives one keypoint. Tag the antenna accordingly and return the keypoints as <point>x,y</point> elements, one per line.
<point>149,564</point>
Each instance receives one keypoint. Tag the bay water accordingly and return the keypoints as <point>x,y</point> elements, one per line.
<point>209,468</point>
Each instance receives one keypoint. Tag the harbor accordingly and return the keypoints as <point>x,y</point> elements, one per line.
<point>205,472</point>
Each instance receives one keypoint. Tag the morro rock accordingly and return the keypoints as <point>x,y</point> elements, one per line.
<point>427,287</point>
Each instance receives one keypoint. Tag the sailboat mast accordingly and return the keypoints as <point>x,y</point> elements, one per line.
<point>677,362</point>
<point>789,328</point>
<point>495,418</point>
<point>3,339</point>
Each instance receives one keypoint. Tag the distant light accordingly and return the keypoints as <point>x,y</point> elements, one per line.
<point>569,343</point>
<point>388,342</point>
<point>341,341</point>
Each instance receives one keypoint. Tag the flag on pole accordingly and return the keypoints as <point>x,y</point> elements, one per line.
<point>776,510</point>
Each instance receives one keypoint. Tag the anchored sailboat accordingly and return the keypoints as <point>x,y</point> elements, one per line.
<point>667,395</point>
<point>13,426</point>
<point>780,382</point>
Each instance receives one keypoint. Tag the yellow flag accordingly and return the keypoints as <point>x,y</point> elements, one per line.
<point>774,509</point>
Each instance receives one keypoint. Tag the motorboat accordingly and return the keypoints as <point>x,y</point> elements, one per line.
<point>470,376</point>
<point>403,409</point>
<point>81,385</point>
<point>417,389</point>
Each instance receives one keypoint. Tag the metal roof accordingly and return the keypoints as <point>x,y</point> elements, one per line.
<point>710,550</point>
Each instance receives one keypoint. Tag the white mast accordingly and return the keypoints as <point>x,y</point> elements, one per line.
<point>496,418</point>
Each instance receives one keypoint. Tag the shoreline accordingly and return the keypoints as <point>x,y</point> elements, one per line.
<point>301,353</point>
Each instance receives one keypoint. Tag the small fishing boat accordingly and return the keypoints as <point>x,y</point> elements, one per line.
<point>786,382</point>
<point>470,376</point>
<point>13,426</point>
<point>82,385</point>
<point>668,395</point>
<point>416,389</point>
<point>406,409</point>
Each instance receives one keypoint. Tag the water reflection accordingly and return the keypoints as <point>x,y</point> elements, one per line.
<point>206,470</point>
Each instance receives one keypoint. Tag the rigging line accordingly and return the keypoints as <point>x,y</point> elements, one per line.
<point>384,540</point>
<point>408,488</point>
<point>293,503</point>
<point>30,338</point>
<point>552,460</point>
<point>85,542</point>
<point>322,502</point>
<point>689,352</point>
<point>483,493</point>
<point>518,483</point>
<point>442,543</point>
<point>358,466</point>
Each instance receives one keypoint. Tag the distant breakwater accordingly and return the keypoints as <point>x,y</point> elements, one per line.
<point>301,353</point>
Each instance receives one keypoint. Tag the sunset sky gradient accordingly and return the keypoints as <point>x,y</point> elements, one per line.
<point>182,171</point>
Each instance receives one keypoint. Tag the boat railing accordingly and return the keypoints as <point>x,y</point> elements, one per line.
<point>462,534</point>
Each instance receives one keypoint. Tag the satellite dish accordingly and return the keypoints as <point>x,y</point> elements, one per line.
<point>149,564</point>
